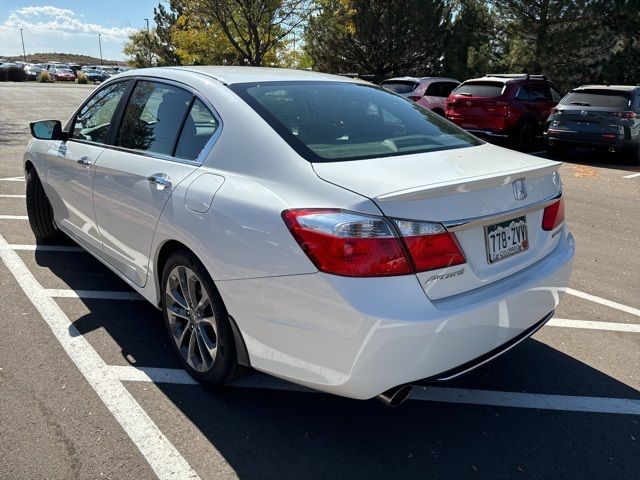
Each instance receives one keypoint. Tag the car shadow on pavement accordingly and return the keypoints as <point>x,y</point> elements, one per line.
<point>272,434</point>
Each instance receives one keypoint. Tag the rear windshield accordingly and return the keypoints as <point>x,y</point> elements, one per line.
<point>598,98</point>
<point>400,87</point>
<point>480,89</point>
<point>335,121</point>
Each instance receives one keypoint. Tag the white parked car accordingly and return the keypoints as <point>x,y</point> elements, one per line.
<point>317,228</point>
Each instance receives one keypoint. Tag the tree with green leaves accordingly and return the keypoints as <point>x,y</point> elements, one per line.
<point>471,48</point>
<point>566,39</point>
<point>378,37</point>
<point>254,28</point>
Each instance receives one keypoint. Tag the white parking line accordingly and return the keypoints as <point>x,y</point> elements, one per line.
<point>14,217</point>
<point>591,325</point>
<point>633,175</point>
<point>12,179</point>
<point>97,294</point>
<point>6,195</point>
<point>162,456</point>
<point>43,248</point>
<point>603,301</point>
<point>569,403</point>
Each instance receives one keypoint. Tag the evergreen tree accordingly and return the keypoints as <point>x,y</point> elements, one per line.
<point>378,37</point>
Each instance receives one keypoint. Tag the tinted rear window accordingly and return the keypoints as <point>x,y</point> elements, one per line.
<point>480,89</point>
<point>335,121</point>
<point>598,98</point>
<point>400,87</point>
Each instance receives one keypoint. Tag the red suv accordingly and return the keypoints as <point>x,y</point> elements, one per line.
<point>511,107</point>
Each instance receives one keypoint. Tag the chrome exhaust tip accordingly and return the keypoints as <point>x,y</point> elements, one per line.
<point>612,150</point>
<point>395,396</point>
<point>551,143</point>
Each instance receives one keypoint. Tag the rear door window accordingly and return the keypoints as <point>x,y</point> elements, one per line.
<point>198,128</point>
<point>400,87</point>
<point>440,89</point>
<point>598,98</point>
<point>153,116</point>
<point>480,89</point>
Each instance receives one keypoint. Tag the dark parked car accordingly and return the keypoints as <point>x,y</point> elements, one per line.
<point>510,107</point>
<point>32,71</point>
<point>597,116</point>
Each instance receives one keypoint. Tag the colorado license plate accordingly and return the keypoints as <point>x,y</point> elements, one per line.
<point>506,239</point>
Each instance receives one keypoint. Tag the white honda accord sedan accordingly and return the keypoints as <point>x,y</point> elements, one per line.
<point>314,227</point>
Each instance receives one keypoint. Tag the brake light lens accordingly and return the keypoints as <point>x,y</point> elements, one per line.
<point>430,245</point>
<point>356,245</point>
<point>553,215</point>
<point>348,244</point>
<point>625,115</point>
<point>415,97</point>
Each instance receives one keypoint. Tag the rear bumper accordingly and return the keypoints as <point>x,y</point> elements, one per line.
<point>579,139</point>
<point>360,337</point>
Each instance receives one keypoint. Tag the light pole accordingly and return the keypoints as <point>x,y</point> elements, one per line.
<point>24,55</point>
<point>100,45</point>
<point>148,42</point>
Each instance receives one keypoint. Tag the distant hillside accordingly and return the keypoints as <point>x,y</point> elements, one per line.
<point>65,58</point>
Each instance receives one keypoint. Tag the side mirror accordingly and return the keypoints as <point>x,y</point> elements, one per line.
<point>48,130</point>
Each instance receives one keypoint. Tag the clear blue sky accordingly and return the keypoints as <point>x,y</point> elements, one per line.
<point>71,26</point>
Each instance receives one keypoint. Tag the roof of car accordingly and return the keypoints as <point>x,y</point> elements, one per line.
<point>509,78</point>
<point>626,88</point>
<point>230,75</point>
<point>421,79</point>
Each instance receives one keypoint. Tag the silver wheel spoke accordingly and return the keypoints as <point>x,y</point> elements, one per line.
<point>191,351</point>
<point>203,303</point>
<point>178,311</point>
<point>177,297</point>
<point>205,355</point>
<point>183,282</point>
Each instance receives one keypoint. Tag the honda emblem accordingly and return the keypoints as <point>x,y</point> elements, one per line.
<point>519,189</point>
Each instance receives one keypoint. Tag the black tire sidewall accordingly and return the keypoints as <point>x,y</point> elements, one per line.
<point>225,363</point>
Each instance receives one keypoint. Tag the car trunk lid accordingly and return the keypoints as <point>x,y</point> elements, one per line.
<point>467,190</point>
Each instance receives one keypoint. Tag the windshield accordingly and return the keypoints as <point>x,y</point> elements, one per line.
<point>399,86</point>
<point>335,121</point>
<point>480,89</point>
<point>598,98</point>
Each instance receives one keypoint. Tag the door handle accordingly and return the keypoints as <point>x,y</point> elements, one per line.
<point>160,180</point>
<point>85,161</point>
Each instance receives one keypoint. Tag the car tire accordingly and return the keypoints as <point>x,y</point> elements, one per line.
<point>634,154</point>
<point>201,336</point>
<point>39,210</point>
<point>556,151</point>
<point>524,136</point>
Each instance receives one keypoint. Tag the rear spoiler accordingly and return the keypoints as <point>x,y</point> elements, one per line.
<point>468,184</point>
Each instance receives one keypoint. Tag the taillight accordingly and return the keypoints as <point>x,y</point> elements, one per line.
<point>415,97</point>
<point>348,244</point>
<point>553,215</point>
<point>356,245</point>
<point>430,245</point>
<point>625,115</point>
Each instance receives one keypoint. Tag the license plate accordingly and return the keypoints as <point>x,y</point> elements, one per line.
<point>506,239</point>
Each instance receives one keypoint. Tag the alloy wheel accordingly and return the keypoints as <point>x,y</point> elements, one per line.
<point>192,322</point>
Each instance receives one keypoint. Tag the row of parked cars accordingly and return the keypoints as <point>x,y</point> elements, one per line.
<point>521,108</point>
<point>65,72</point>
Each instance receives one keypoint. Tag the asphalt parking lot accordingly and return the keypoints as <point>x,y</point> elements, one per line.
<point>90,387</point>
